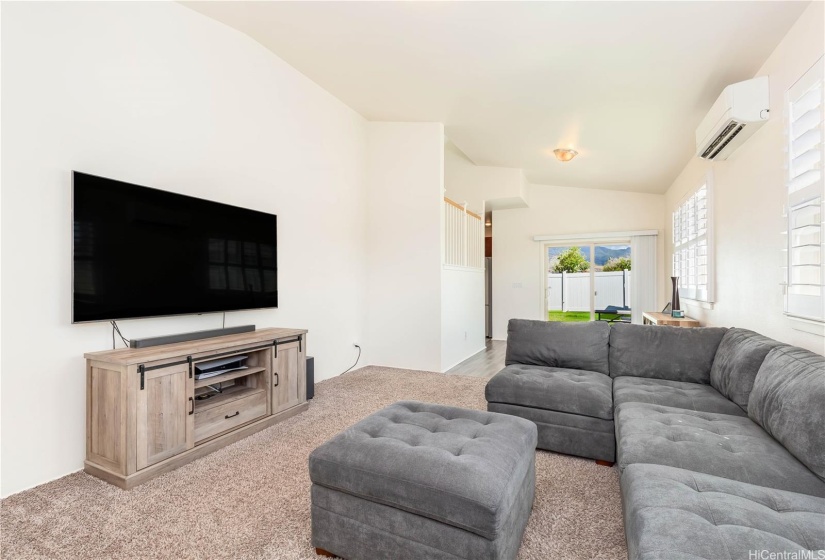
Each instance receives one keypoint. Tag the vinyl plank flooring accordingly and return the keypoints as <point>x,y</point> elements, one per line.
<point>486,363</point>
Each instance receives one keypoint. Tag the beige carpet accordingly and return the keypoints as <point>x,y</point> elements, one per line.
<point>251,499</point>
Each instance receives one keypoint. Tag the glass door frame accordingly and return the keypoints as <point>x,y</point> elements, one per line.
<point>581,242</point>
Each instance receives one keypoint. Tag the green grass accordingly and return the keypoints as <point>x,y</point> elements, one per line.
<point>568,316</point>
<point>575,316</point>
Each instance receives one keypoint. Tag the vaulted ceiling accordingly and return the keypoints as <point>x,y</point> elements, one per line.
<point>624,83</point>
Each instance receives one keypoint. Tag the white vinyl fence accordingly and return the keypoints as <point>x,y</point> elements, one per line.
<point>571,291</point>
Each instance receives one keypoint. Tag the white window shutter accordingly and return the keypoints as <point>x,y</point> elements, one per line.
<point>804,272</point>
<point>693,244</point>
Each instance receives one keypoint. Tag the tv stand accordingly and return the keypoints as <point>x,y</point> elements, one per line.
<point>146,414</point>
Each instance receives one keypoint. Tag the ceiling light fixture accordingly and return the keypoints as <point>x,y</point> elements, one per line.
<point>565,155</point>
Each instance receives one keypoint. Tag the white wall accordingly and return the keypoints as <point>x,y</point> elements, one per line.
<point>159,95</point>
<point>748,201</point>
<point>405,183</point>
<point>518,261</point>
<point>462,314</point>
<point>482,187</point>
<point>459,179</point>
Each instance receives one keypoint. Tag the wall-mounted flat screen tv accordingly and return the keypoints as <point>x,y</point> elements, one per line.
<point>144,252</point>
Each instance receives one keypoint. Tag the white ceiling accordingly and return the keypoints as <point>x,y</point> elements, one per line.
<point>625,83</point>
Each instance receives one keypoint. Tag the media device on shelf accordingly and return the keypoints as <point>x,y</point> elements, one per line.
<point>143,252</point>
<point>213,368</point>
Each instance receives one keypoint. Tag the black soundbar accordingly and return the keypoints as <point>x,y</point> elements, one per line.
<point>186,337</point>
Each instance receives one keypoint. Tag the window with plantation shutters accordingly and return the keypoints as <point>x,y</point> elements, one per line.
<point>693,244</point>
<point>804,274</point>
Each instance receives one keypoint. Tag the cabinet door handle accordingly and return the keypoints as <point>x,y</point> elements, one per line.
<point>192,407</point>
<point>277,379</point>
<point>228,416</point>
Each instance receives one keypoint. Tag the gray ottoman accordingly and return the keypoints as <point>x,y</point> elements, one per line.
<point>418,480</point>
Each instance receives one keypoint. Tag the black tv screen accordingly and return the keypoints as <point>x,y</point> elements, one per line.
<point>143,252</point>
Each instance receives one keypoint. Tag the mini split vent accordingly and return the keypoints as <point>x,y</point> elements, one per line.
<point>721,142</point>
<point>736,116</point>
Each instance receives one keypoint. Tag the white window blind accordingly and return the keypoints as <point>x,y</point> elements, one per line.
<point>643,280</point>
<point>804,273</point>
<point>693,244</point>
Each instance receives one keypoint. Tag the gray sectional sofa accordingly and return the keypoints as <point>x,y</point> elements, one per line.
<point>719,433</point>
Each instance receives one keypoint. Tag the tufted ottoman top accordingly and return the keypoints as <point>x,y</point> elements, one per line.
<point>460,467</point>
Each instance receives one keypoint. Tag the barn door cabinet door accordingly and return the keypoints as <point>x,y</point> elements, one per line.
<point>289,375</point>
<point>165,424</point>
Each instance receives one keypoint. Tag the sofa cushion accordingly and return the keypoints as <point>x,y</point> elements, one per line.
<point>460,467</point>
<point>677,394</point>
<point>788,400</point>
<point>564,345</point>
<point>660,352</point>
<point>587,393</point>
<point>719,444</point>
<point>737,361</point>
<point>562,432</point>
<point>677,514</point>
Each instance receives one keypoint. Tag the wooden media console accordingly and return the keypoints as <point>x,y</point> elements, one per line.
<point>146,414</point>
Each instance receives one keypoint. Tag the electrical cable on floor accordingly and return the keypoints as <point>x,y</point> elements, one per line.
<point>356,359</point>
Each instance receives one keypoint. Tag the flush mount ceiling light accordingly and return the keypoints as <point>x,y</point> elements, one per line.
<point>565,155</point>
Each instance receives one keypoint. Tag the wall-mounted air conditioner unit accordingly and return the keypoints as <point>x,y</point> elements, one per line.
<point>737,114</point>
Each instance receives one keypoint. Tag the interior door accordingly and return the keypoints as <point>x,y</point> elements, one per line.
<point>165,424</point>
<point>289,376</point>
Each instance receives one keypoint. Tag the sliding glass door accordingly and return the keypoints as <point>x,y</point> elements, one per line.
<point>587,282</point>
<point>569,283</point>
